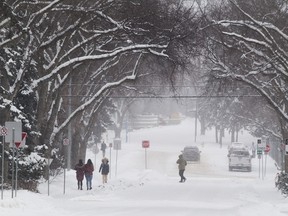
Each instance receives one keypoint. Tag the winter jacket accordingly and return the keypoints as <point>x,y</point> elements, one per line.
<point>181,162</point>
<point>104,167</point>
<point>88,169</point>
<point>79,171</point>
<point>103,146</point>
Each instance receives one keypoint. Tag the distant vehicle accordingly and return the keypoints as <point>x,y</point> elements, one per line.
<point>236,146</point>
<point>191,153</point>
<point>240,159</point>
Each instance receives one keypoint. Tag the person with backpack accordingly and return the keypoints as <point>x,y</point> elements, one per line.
<point>88,172</point>
<point>104,169</point>
<point>181,166</point>
<point>79,167</point>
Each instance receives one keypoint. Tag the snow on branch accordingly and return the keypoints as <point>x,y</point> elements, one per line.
<point>262,91</point>
<point>43,10</point>
<point>95,57</point>
<point>88,103</point>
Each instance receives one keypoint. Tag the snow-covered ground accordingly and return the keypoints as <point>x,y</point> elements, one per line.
<point>132,190</point>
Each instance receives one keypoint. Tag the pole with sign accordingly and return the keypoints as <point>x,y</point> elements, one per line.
<point>110,158</point>
<point>3,133</point>
<point>285,156</point>
<point>48,162</point>
<point>14,134</point>
<point>259,153</point>
<point>145,145</point>
<point>117,146</point>
<point>266,151</point>
<point>13,160</point>
<point>18,145</point>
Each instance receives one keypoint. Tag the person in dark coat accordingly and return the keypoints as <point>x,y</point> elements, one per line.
<point>88,172</point>
<point>181,166</point>
<point>79,167</point>
<point>104,169</point>
<point>103,148</point>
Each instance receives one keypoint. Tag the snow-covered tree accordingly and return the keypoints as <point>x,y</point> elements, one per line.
<point>60,60</point>
<point>248,44</point>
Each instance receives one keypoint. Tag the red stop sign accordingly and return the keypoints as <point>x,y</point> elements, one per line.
<point>267,149</point>
<point>145,144</point>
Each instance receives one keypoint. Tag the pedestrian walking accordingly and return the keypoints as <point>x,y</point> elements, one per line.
<point>104,169</point>
<point>88,171</point>
<point>181,166</point>
<point>79,167</point>
<point>103,148</point>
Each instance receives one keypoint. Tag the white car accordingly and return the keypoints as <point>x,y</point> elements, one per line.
<point>240,159</point>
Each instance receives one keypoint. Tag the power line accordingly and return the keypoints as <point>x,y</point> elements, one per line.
<point>171,96</point>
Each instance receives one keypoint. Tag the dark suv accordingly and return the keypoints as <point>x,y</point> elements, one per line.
<point>191,153</point>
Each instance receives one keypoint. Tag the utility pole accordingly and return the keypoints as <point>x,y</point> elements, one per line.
<point>69,125</point>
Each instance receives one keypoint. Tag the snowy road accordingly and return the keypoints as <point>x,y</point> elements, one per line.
<point>210,188</point>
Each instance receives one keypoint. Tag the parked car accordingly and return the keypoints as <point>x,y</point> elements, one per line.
<point>191,153</point>
<point>240,159</point>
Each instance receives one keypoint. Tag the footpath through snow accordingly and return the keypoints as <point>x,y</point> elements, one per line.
<point>132,190</point>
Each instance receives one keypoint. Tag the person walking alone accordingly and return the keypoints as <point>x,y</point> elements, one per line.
<point>88,171</point>
<point>103,148</point>
<point>79,167</point>
<point>181,166</point>
<point>104,169</point>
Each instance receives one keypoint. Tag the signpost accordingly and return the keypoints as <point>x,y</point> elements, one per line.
<point>145,145</point>
<point>266,151</point>
<point>18,145</point>
<point>259,153</point>
<point>110,158</point>
<point>3,133</point>
<point>117,146</point>
<point>48,162</point>
<point>285,156</point>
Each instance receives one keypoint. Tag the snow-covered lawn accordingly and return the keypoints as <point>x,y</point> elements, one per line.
<point>132,190</point>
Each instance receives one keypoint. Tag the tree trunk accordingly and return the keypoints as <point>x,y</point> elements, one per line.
<point>202,125</point>
<point>221,136</point>
<point>216,133</point>
<point>117,132</point>
<point>233,134</point>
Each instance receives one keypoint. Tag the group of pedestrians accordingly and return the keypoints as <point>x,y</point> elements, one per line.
<point>87,171</point>
<point>84,170</point>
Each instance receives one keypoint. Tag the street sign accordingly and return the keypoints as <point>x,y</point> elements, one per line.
<point>17,126</point>
<point>260,145</point>
<point>17,144</point>
<point>3,131</point>
<point>267,149</point>
<point>23,141</point>
<point>145,144</point>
